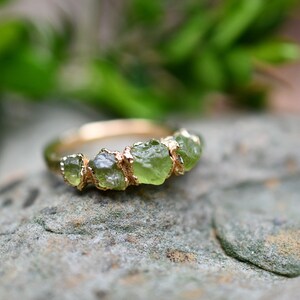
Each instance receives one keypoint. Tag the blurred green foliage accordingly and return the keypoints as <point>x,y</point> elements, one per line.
<point>166,57</point>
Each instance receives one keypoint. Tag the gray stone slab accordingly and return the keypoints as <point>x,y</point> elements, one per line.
<point>150,242</point>
<point>260,223</point>
<point>141,243</point>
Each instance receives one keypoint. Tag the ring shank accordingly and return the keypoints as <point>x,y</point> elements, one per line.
<point>97,131</point>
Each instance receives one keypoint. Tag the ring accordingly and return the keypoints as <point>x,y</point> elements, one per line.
<point>166,152</point>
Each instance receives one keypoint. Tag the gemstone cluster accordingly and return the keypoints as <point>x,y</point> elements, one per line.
<point>150,162</point>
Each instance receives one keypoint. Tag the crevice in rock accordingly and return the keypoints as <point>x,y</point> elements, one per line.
<point>66,232</point>
<point>7,202</point>
<point>42,223</point>
<point>31,198</point>
<point>10,186</point>
<point>8,232</point>
<point>47,229</point>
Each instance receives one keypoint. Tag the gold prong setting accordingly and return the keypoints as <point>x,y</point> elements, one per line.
<point>173,146</point>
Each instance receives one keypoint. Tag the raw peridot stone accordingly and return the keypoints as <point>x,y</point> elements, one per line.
<point>71,166</point>
<point>190,149</point>
<point>151,162</point>
<point>106,171</point>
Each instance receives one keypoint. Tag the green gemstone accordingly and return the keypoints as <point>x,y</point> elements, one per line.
<point>151,162</point>
<point>107,172</point>
<point>72,169</point>
<point>190,149</point>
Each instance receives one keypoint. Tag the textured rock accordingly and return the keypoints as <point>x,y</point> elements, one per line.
<point>139,243</point>
<point>158,241</point>
<point>263,227</point>
<point>287,291</point>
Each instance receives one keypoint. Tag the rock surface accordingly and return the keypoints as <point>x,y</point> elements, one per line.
<point>164,241</point>
<point>264,226</point>
<point>287,291</point>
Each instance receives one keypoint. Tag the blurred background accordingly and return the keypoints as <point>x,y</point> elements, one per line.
<point>66,62</point>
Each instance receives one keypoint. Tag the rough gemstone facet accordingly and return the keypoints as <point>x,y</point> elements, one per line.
<point>190,148</point>
<point>71,167</point>
<point>106,171</point>
<point>151,162</point>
